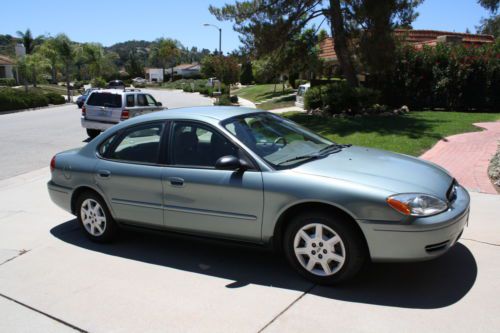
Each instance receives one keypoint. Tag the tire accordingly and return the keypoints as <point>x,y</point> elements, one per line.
<point>95,219</point>
<point>335,257</point>
<point>92,133</point>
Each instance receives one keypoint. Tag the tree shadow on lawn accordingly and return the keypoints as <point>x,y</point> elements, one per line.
<point>411,127</point>
<point>425,285</point>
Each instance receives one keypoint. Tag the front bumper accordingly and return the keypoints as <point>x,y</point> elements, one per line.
<point>60,195</point>
<point>98,125</point>
<point>422,239</point>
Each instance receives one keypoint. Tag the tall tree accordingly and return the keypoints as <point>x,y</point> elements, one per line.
<point>490,25</point>
<point>491,5</point>
<point>266,25</point>
<point>48,50</point>
<point>29,41</point>
<point>65,50</point>
<point>166,52</point>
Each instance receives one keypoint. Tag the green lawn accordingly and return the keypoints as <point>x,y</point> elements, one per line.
<point>277,103</point>
<point>411,134</point>
<point>260,92</point>
<point>51,88</point>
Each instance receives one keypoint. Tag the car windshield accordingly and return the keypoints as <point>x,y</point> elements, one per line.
<point>279,141</point>
<point>105,99</point>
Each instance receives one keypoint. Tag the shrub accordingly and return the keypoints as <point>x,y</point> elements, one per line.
<point>233,99</point>
<point>14,99</point>
<point>223,100</point>
<point>9,82</point>
<point>340,97</point>
<point>55,98</point>
<point>98,82</point>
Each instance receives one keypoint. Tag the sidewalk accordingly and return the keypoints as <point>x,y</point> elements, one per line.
<point>466,156</point>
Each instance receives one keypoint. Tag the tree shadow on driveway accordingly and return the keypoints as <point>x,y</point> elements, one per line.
<point>425,285</point>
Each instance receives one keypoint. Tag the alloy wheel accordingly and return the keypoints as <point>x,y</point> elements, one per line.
<point>93,217</point>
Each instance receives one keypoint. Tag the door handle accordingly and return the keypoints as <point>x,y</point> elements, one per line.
<point>176,181</point>
<point>104,173</point>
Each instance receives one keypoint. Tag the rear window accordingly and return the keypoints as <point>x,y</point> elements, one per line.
<point>105,99</point>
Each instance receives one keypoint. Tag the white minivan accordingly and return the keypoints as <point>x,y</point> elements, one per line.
<point>301,92</point>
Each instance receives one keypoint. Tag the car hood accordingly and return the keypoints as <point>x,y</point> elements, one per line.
<point>381,169</point>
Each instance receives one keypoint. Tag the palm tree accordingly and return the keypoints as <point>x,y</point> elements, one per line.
<point>29,44</point>
<point>48,50</point>
<point>65,50</point>
<point>94,57</point>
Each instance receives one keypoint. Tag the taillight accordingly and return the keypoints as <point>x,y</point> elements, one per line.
<point>125,115</point>
<point>53,163</point>
<point>84,112</point>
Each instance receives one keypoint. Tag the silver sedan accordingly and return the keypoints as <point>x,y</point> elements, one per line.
<point>252,176</point>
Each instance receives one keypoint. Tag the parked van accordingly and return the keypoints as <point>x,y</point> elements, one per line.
<point>301,92</point>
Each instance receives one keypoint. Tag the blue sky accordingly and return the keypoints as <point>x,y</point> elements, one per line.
<point>111,21</point>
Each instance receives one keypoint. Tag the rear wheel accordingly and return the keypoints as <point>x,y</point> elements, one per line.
<point>95,219</point>
<point>92,133</point>
<point>323,248</point>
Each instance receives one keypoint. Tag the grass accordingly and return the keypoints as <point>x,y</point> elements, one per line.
<point>52,88</point>
<point>411,134</point>
<point>261,92</point>
<point>278,103</point>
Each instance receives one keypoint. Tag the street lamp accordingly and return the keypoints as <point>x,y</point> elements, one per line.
<point>220,34</point>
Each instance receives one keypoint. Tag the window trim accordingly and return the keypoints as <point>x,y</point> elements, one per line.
<point>168,161</point>
<point>119,135</point>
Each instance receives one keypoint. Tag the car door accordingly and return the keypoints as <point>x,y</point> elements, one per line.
<point>131,177</point>
<point>200,198</point>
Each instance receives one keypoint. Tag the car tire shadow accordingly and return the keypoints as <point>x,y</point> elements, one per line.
<point>424,285</point>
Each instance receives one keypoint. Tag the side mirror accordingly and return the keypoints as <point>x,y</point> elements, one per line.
<point>158,104</point>
<point>230,162</point>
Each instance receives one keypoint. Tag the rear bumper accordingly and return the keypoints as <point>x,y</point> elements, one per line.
<point>423,239</point>
<point>98,125</point>
<point>60,195</point>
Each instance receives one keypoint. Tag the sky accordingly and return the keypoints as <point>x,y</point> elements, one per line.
<point>111,21</point>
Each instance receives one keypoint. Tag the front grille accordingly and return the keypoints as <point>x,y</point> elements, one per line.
<point>451,194</point>
<point>436,247</point>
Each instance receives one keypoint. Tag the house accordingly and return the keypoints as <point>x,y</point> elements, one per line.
<point>6,67</point>
<point>154,74</point>
<point>417,38</point>
<point>187,70</point>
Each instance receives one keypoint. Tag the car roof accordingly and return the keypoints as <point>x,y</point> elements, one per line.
<point>215,112</point>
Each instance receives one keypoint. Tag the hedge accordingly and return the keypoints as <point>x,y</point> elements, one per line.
<point>9,82</point>
<point>17,99</point>
<point>453,77</point>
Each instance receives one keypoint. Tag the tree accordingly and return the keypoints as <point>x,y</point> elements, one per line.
<point>65,50</point>
<point>226,69</point>
<point>134,65</point>
<point>165,52</point>
<point>491,5</point>
<point>266,25</point>
<point>94,58</point>
<point>48,50</point>
<point>490,25</point>
<point>28,41</point>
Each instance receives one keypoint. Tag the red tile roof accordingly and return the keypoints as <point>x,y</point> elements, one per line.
<point>418,38</point>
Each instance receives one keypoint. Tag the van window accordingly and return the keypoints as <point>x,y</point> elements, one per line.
<point>130,101</point>
<point>105,99</point>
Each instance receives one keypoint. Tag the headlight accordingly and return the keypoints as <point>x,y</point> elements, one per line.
<point>416,204</point>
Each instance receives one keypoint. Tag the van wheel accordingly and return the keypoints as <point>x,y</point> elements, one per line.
<point>92,133</point>
<point>94,218</point>
<point>323,248</point>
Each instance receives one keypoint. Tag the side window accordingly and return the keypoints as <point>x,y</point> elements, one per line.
<point>141,100</point>
<point>151,100</point>
<point>106,145</point>
<point>198,145</point>
<point>130,100</point>
<point>139,144</point>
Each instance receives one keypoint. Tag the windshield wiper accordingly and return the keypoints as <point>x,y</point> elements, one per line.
<point>301,157</point>
<point>334,146</point>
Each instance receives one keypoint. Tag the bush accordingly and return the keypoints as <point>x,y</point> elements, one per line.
<point>233,99</point>
<point>98,82</point>
<point>223,100</point>
<point>340,97</point>
<point>9,82</point>
<point>55,98</point>
<point>14,99</point>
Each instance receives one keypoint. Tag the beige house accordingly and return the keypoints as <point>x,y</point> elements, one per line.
<point>6,67</point>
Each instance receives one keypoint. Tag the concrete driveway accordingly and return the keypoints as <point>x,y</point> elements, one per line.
<point>52,279</point>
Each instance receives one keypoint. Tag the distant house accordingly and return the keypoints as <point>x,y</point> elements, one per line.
<point>6,67</point>
<point>187,70</point>
<point>417,38</point>
<point>154,74</point>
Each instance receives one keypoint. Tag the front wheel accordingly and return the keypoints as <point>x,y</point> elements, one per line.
<point>323,248</point>
<point>92,133</point>
<point>95,219</point>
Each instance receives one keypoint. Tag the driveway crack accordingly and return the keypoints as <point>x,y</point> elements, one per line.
<point>478,241</point>
<point>45,314</point>
<point>21,252</point>
<point>288,307</point>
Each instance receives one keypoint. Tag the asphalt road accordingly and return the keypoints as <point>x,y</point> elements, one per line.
<point>29,139</point>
